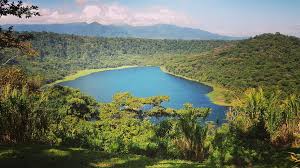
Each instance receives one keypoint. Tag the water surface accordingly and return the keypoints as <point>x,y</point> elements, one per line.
<point>148,81</point>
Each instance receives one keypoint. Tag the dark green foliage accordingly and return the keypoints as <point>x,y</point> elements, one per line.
<point>192,132</point>
<point>17,78</point>
<point>9,39</point>
<point>184,135</point>
<point>72,117</point>
<point>75,132</point>
<point>267,117</point>
<point>46,156</point>
<point>24,117</point>
<point>60,55</point>
<point>18,9</point>
<point>229,147</point>
<point>258,130</point>
<point>72,102</point>
<point>125,125</point>
<point>122,131</point>
<point>271,61</point>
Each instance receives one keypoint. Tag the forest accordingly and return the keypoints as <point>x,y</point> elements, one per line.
<point>268,60</point>
<point>58,126</point>
<point>69,53</point>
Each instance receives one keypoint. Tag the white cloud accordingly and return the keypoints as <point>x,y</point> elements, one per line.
<point>47,16</point>
<point>113,13</point>
<point>80,2</point>
<point>107,14</point>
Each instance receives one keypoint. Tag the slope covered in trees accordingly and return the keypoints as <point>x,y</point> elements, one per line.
<point>60,55</point>
<point>271,61</point>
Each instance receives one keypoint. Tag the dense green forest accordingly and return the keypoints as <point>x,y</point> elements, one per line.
<point>60,55</point>
<point>271,61</point>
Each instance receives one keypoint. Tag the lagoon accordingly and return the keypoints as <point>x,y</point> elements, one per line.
<point>145,82</point>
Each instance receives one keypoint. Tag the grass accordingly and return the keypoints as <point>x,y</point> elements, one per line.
<point>45,156</point>
<point>217,96</point>
<point>85,72</point>
<point>38,156</point>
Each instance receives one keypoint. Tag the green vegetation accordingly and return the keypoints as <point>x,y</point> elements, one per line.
<point>65,128</point>
<point>262,125</point>
<point>62,127</point>
<point>62,55</point>
<point>217,96</point>
<point>270,61</point>
<point>9,39</point>
<point>36,156</point>
<point>81,73</point>
<point>262,128</point>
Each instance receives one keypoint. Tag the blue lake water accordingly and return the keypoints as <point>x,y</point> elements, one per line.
<point>148,81</point>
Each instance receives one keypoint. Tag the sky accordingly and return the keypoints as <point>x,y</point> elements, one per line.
<point>226,17</point>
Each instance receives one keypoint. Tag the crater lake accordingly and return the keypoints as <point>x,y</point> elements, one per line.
<point>145,82</point>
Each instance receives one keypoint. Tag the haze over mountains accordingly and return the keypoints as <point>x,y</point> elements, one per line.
<point>159,31</point>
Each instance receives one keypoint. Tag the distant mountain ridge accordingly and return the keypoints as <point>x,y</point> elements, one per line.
<point>159,31</point>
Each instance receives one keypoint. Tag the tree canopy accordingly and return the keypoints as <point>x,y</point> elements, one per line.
<point>9,39</point>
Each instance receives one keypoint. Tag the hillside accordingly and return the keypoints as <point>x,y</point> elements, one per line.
<point>269,60</point>
<point>60,55</point>
<point>160,31</point>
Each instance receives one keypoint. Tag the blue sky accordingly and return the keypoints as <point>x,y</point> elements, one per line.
<point>230,17</point>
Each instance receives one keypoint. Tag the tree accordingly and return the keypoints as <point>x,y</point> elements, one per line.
<point>123,126</point>
<point>17,78</point>
<point>193,132</point>
<point>129,103</point>
<point>23,115</point>
<point>9,39</point>
<point>268,117</point>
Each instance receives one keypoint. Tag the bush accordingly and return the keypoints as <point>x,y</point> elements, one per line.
<point>24,117</point>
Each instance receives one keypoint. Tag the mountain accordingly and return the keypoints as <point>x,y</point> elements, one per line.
<point>160,31</point>
<point>271,61</point>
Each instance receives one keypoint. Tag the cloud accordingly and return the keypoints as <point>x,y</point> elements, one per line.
<point>116,14</point>
<point>80,2</point>
<point>108,14</point>
<point>47,16</point>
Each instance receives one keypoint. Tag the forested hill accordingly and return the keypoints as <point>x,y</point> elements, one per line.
<point>60,55</point>
<point>160,31</point>
<point>270,60</point>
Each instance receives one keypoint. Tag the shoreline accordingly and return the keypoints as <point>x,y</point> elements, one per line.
<point>86,72</point>
<point>216,96</point>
